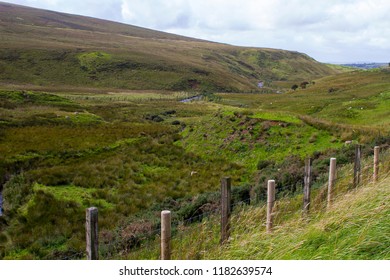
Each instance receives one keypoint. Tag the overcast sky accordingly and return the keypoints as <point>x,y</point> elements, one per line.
<point>335,31</point>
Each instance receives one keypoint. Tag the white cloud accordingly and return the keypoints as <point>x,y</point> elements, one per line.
<point>322,28</point>
<point>149,13</point>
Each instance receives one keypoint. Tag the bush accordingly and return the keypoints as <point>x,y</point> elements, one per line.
<point>304,84</point>
<point>241,195</point>
<point>15,193</point>
<point>155,118</point>
<point>263,164</point>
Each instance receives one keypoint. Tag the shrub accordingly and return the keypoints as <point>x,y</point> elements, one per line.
<point>16,192</point>
<point>155,118</point>
<point>263,164</point>
<point>304,84</point>
<point>169,112</point>
<point>313,138</point>
<point>330,90</point>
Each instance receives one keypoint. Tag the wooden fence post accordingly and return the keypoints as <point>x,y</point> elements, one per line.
<point>91,226</point>
<point>357,166</point>
<point>376,163</point>
<point>225,208</point>
<point>332,180</point>
<point>270,204</point>
<point>307,185</point>
<point>165,235</point>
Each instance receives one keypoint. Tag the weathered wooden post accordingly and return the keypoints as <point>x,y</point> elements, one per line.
<point>332,180</point>
<point>91,226</point>
<point>357,166</point>
<point>376,163</point>
<point>225,208</point>
<point>270,204</point>
<point>165,235</point>
<point>307,185</point>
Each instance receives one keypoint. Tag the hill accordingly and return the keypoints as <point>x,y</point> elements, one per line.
<point>370,65</point>
<point>51,49</point>
<point>134,154</point>
<point>74,135</point>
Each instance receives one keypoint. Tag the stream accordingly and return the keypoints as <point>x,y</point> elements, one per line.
<point>189,99</point>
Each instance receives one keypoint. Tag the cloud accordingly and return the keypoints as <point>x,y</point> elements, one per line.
<point>153,14</point>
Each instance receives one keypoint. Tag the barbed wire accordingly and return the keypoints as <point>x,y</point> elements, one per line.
<point>283,208</point>
<point>133,243</point>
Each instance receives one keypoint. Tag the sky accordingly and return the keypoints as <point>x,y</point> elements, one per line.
<point>334,31</point>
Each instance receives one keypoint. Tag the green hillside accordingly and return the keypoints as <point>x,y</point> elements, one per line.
<point>132,155</point>
<point>50,49</point>
<point>92,114</point>
<point>356,227</point>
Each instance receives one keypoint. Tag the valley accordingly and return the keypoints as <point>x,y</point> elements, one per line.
<point>91,114</point>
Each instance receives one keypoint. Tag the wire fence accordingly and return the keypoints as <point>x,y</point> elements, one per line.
<point>142,239</point>
<point>186,232</point>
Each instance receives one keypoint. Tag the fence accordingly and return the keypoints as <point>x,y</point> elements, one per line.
<point>173,232</point>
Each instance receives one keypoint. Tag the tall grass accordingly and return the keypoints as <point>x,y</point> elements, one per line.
<point>80,150</point>
<point>355,227</point>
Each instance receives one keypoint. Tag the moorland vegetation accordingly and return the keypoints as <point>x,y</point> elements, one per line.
<point>92,116</point>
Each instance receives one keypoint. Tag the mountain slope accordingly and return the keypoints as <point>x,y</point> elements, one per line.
<point>45,48</point>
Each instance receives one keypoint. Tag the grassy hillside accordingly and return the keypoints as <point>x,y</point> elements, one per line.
<point>91,116</point>
<point>50,49</point>
<point>358,98</point>
<point>132,154</point>
<point>356,227</point>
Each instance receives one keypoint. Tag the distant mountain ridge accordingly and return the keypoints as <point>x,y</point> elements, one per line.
<point>366,65</point>
<point>52,49</point>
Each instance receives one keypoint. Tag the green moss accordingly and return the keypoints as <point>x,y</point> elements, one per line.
<point>82,196</point>
<point>35,98</point>
<point>246,140</point>
<point>277,116</point>
<point>93,61</point>
<point>84,118</point>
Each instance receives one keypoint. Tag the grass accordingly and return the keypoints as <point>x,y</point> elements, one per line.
<point>79,52</point>
<point>354,228</point>
<point>74,149</point>
<point>82,196</point>
<point>91,116</point>
<point>127,96</point>
<point>258,136</point>
<point>359,102</point>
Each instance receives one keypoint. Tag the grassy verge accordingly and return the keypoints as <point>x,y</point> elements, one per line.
<point>355,227</point>
<point>133,154</point>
